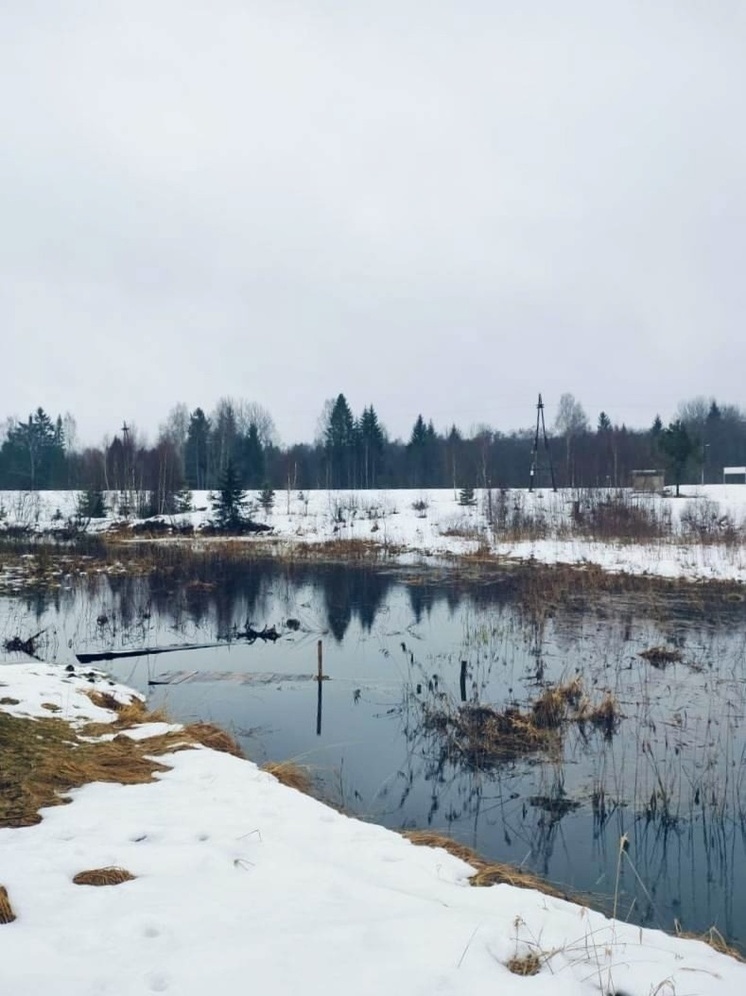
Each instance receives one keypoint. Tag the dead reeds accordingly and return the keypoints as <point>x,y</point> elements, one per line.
<point>6,910</point>
<point>486,872</point>
<point>660,656</point>
<point>103,876</point>
<point>479,736</point>
<point>213,737</point>
<point>290,774</point>
<point>525,964</point>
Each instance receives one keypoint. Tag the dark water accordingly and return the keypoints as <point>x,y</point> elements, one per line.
<point>671,778</point>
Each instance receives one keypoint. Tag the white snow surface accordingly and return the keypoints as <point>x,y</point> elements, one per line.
<point>415,525</point>
<point>243,885</point>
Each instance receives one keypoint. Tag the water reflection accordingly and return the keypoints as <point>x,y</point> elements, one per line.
<point>671,779</point>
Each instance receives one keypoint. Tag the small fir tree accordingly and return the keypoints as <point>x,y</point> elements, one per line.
<point>267,498</point>
<point>91,504</point>
<point>466,497</point>
<point>229,502</point>
<point>678,447</point>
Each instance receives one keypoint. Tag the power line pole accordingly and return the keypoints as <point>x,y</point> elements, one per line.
<point>540,424</point>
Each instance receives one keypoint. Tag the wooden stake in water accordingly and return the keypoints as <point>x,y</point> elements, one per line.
<point>462,681</point>
<point>320,680</point>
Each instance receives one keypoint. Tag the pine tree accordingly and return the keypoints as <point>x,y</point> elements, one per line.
<point>677,446</point>
<point>339,442</point>
<point>371,445</point>
<point>196,450</point>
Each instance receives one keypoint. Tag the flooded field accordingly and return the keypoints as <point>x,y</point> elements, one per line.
<point>644,813</point>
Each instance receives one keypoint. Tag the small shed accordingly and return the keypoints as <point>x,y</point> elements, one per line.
<point>734,475</point>
<point>647,480</point>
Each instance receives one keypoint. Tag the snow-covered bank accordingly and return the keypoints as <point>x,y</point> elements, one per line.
<point>242,884</point>
<point>701,536</point>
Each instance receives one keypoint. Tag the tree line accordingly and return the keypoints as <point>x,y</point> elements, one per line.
<point>193,450</point>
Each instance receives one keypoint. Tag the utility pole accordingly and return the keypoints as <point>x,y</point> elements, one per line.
<point>540,425</point>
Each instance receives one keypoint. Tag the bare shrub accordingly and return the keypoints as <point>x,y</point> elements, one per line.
<point>702,521</point>
<point>620,516</point>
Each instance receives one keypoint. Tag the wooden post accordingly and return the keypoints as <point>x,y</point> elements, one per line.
<point>462,681</point>
<point>320,680</point>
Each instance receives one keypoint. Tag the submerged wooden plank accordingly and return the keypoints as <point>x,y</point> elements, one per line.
<point>237,677</point>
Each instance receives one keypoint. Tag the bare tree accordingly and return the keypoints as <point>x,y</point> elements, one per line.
<point>250,413</point>
<point>571,421</point>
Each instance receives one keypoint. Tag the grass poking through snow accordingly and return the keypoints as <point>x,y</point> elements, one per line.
<point>103,876</point>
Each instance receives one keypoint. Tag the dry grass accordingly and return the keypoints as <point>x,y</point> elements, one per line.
<point>7,700</point>
<point>550,709</point>
<point>213,737</point>
<point>486,872</point>
<point>525,964</point>
<point>478,736</point>
<point>6,910</point>
<point>43,759</point>
<point>714,939</point>
<point>290,774</point>
<point>605,716</point>
<point>103,876</point>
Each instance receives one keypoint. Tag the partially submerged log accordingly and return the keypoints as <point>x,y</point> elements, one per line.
<point>249,634</point>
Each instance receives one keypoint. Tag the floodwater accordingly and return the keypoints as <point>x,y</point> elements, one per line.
<point>648,819</point>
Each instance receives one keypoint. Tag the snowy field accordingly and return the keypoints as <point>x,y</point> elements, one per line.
<point>243,885</point>
<point>699,536</point>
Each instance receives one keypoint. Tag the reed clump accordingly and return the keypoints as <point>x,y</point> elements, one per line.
<point>478,736</point>
<point>660,656</point>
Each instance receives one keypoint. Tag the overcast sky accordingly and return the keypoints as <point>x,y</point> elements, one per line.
<point>434,206</point>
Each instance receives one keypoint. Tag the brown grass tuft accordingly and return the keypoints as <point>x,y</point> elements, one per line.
<point>213,737</point>
<point>128,714</point>
<point>487,873</point>
<point>103,876</point>
<point>290,774</point>
<point>429,838</point>
<point>7,700</point>
<point>105,700</point>
<point>6,910</point>
<point>713,938</point>
<point>502,874</point>
<point>526,964</point>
